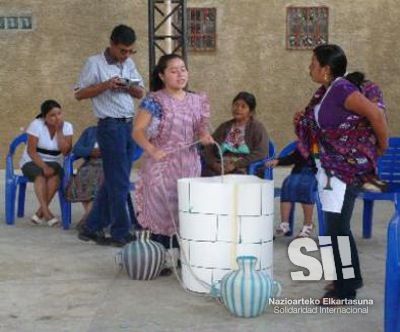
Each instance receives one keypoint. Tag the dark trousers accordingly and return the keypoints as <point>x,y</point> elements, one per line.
<point>338,224</point>
<point>110,205</point>
<point>165,240</point>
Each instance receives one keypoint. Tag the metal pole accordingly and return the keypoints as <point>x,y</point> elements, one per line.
<point>163,31</point>
<point>168,27</point>
<point>152,51</point>
<point>184,31</point>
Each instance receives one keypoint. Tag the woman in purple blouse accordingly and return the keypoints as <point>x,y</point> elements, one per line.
<point>333,128</point>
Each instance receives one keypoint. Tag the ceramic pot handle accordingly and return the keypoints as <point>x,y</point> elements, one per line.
<point>119,260</point>
<point>215,290</point>
<point>276,288</point>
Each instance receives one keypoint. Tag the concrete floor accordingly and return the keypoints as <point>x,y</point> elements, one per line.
<point>51,281</point>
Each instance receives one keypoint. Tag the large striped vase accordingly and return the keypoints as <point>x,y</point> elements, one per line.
<point>246,292</point>
<point>143,258</point>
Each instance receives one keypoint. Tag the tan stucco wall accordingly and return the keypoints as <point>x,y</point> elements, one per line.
<point>251,55</point>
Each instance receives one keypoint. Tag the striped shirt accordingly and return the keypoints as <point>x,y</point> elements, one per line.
<point>114,104</point>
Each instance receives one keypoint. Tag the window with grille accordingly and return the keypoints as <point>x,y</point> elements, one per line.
<point>306,27</point>
<point>201,28</point>
<point>15,23</point>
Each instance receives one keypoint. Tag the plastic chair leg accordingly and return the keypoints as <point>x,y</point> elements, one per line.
<point>367,218</point>
<point>392,281</point>
<point>392,305</point>
<point>321,220</point>
<point>11,190</point>
<point>21,200</point>
<point>291,220</point>
<point>65,208</point>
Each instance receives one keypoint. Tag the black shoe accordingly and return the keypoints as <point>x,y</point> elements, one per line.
<point>97,237</point>
<point>166,272</point>
<point>357,284</point>
<point>122,242</point>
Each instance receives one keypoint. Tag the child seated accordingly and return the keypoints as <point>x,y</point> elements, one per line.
<point>299,187</point>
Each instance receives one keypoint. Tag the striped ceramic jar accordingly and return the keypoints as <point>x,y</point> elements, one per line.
<point>143,258</point>
<point>246,292</point>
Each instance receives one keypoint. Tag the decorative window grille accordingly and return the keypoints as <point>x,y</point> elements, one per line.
<point>16,22</point>
<point>306,27</point>
<point>202,27</point>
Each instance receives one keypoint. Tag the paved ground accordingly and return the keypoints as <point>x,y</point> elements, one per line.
<point>51,281</point>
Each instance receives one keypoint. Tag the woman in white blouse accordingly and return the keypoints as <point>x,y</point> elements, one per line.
<point>49,140</point>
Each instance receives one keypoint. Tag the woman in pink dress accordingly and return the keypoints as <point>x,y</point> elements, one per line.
<point>169,121</point>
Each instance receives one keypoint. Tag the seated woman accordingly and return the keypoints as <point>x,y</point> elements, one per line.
<point>84,185</point>
<point>49,139</point>
<point>243,139</point>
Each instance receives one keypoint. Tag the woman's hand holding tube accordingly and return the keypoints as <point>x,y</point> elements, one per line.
<point>207,139</point>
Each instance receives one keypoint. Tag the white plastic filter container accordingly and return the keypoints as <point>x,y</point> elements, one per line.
<point>221,218</point>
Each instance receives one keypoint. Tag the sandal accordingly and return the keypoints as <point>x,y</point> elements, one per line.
<point>53,222</point>
<point>306,231</point>
<point>371,187</point>
<point>36,220</point>
<point>282,229</point>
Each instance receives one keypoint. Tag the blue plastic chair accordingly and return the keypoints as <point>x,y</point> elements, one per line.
<point>268,173</point>
<point>321,223</point>
<point>16,182</point>
<point>136,156</point>
<point>389,171</point>
<point>392,281</point>
<point>68,173</point>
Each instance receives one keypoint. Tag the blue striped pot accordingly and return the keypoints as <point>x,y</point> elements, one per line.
<point>246,292</point>
<point>143,258</point>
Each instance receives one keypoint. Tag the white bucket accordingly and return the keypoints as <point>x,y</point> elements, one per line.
<point>219,221</point>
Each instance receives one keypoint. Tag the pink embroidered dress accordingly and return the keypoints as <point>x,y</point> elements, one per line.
<point>174,125</point>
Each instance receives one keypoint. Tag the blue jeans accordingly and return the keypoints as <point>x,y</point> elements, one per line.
<point>338,224</point>
<point>110,205</point>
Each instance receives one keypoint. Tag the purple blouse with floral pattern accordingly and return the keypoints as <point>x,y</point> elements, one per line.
<point>347,143</point>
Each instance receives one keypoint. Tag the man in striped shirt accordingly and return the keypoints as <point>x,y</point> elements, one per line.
<point>111,80</point>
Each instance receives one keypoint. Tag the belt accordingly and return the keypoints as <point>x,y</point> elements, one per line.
<point>49,152</point>
<point>125,120</point>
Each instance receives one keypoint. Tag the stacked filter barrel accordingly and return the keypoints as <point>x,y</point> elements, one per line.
<point>220,219</point>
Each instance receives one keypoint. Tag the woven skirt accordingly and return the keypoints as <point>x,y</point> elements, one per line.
<point>84,185</point>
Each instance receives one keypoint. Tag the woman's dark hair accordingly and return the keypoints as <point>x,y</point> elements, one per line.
<point>357,78</point>
<point>155,82</point>
<point>333,56</point>
<point>248,98</point>
<point>46,107</point>
<point>122,34</point>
